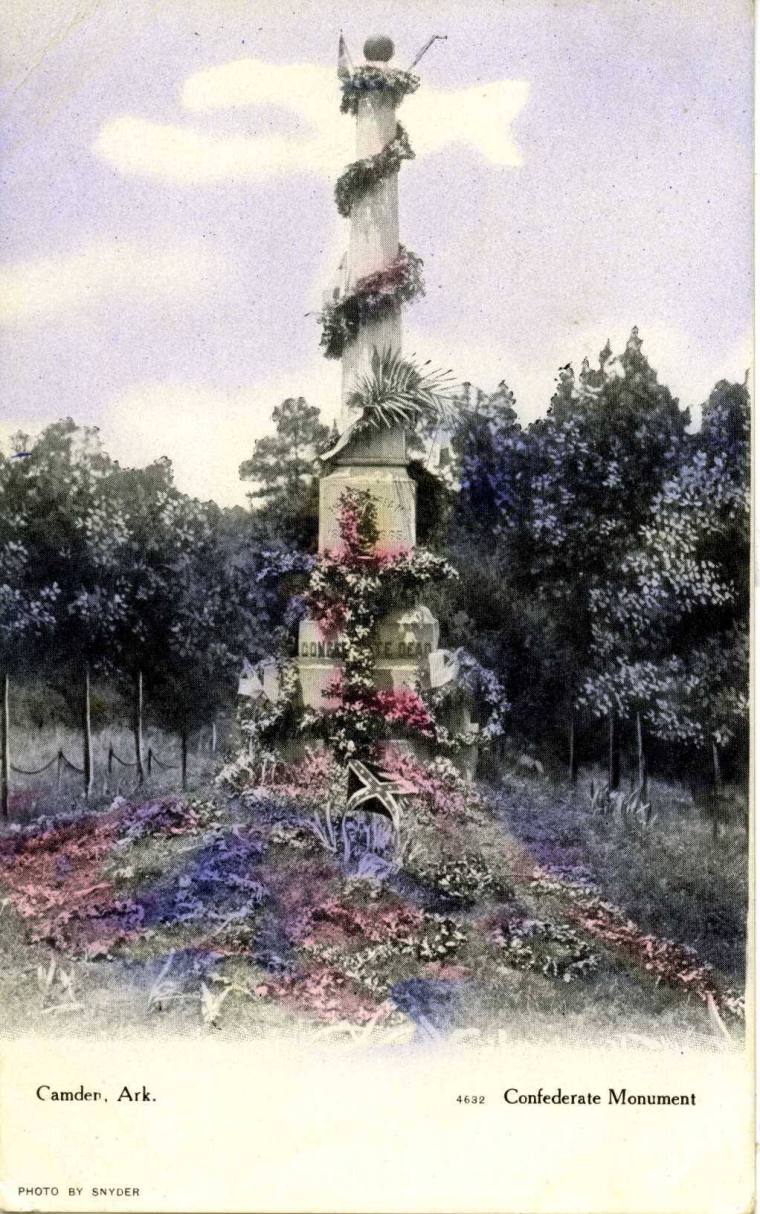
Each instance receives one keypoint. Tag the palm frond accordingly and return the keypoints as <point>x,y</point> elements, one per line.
<point>399,392</point>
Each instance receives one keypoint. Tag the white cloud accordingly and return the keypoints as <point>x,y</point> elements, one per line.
<point>481,116</point>
<point>32,291</point>
<point>204,431</point>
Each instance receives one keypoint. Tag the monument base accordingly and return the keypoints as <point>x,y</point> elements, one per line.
<point>394,494</point>
<point>403,645</point>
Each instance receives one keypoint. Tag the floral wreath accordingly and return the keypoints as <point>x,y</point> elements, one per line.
<point>366,79</point>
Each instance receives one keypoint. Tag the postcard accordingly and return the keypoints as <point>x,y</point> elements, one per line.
<point>375,815</point>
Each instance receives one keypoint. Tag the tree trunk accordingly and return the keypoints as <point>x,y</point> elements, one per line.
<point>138,728</point>
<point>642,760</point>
<point>87,736</point>
<point>183,757</point>
<point>717,773</point>
<point>613,761</point>
<point>717,787</point>
<point>572,763</point>
<point>5,747</point>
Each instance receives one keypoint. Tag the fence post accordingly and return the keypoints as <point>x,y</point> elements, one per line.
<point>613,758</point>
<point>138,726</point>
<point>87,739</point>
<point>150,760</point>
<point>5,747</point>
<point>572,763</point>
<point>58,770</point>
<point>110,764</point>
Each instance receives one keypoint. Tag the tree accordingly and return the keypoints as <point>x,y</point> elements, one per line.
<point>669,630</point>
<point>217,615</point>
<point>127,577</point>
<point>26,618</point>
<point>51,497</point>
<point>282,468</point>
<point>563,498</point>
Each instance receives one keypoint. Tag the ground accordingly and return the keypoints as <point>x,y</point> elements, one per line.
<point>517,908</point>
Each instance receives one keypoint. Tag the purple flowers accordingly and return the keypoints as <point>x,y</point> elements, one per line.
<point>218,884</point>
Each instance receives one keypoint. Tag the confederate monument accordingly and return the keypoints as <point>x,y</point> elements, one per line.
<point>383,395</point>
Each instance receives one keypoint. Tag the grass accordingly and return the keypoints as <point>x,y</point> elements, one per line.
<point>514,912</point>
<point>673,878</point>
<point>32,748</point>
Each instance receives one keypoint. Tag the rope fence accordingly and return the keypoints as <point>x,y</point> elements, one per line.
<point>60,758</point>
<point>124,762</point>
<point>153,758</point>
<point>141,769</point>
<point>23,771</point>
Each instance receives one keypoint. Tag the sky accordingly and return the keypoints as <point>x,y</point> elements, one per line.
<point>167,224</point>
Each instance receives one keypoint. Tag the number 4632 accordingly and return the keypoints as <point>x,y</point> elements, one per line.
<point>471,1099</point>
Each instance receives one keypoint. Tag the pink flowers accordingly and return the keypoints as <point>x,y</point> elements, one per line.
<point>438,783</point>
<point>404,708</point>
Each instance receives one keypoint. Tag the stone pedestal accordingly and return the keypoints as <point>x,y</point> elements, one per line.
<point>403,644</point>
<point>394,493</point>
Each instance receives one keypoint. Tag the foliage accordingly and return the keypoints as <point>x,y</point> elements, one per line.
<point>282,468</point>
<point>260,718</point>
<point>364,175</point>
<point>167,816</point>
<point>623,546</point>
<point>669,633</point>
<point>372,297</point>
<point>219,884</point>
<point>668,878</point>
<point>554,950</point>
<point>349,591</point>
<point>477,686</point>
<point>397,392</point>
<point>365,81</point>
<point>466,879</point>
<point>114,569</point>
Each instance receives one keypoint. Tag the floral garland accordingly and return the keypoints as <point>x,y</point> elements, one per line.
<point>373,296</point>
<point>366,80</point>
<point>259,718</point>
<point>349,592</point>
<point>480,685</point>
<point>363,175</point>
<point>552,949</point>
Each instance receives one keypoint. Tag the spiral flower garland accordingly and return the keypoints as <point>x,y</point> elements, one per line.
<point>363,175</point>
<point>373,296</point>
<point>384,291</point>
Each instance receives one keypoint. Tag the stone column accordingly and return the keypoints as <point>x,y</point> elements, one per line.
<point>376,461</point>
<point>373,240</point>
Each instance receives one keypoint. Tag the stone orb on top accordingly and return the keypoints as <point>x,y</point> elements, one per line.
<point>378,49</point>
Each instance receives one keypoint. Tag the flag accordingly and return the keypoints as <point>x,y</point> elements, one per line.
<point>344,59</point>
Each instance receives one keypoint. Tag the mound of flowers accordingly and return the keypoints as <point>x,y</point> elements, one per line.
<point>268,906</point>
<point>552,949</point>
<point>220,885</point>
<point>58,873</point>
